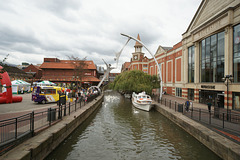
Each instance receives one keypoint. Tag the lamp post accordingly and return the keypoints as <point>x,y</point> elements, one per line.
<point>226,80</point>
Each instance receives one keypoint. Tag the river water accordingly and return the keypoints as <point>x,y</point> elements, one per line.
<point>119,131</point>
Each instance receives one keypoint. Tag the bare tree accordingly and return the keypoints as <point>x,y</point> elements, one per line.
<point>79,67</point>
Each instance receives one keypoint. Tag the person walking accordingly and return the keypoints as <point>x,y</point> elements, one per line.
<point>187,104</point>
<point>209,104</point>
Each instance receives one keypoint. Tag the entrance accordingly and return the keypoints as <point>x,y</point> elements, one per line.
<point>220,100</point>
<point>206,96</point>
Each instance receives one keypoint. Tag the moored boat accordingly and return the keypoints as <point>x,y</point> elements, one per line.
<point>142,101</point>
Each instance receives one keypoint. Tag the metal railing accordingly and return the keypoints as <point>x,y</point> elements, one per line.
<point>215,118</point>
<point>15,130</point>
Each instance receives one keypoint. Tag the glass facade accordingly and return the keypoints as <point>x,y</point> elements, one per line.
<point>212,58</point>
<point>191,64</point>
<point>236,53</point>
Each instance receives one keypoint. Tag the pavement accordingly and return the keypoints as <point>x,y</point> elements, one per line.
<point>11,110</point>
<point>231,130</point>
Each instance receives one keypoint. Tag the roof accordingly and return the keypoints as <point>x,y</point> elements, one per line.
<point>137,44</point>
<point>67,64</point>
<point>11,69</point>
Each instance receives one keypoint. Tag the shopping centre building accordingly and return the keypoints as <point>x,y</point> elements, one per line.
<point>205,65</point>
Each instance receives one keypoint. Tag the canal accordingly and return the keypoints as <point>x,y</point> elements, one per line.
<point>119,131</point>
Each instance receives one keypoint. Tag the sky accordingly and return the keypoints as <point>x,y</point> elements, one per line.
<point>31,30</point>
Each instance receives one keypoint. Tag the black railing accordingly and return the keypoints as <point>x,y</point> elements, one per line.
<point>15,130</point>
<point>215,118</point>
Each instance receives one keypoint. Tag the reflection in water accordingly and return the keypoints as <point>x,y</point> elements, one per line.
<point>119,131</point>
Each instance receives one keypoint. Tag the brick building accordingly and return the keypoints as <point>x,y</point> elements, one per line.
<point>208,54</point>
<point>35,71</point>
<point>69,72</point>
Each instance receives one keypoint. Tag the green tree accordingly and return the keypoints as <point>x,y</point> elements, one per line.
<point>135,81</point>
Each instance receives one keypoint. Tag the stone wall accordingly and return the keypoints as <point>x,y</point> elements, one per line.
<point>39,146</point>
<point>223,147</point>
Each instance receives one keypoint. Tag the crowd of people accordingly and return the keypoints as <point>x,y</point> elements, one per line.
<point>82,94</point>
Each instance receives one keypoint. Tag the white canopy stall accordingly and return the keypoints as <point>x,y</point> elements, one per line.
<point>20,86</point>
<point>46,83</point>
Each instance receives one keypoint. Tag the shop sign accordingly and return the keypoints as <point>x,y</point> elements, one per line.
<point>206,86</point>
<point>87,74</point>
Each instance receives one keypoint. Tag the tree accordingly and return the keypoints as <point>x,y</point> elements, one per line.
<point>135,81</point>
<point>79,67</point>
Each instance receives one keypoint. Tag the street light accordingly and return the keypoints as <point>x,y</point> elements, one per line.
<point>226,80</point>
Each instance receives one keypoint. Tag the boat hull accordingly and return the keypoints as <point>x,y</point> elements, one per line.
<point>145,107</point>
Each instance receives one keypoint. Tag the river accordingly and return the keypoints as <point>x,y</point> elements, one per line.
<point>119,131</point>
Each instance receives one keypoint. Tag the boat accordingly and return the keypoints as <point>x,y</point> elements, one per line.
<point>142,101</point>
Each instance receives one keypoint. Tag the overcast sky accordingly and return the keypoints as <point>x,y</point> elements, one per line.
<point>31,30</point>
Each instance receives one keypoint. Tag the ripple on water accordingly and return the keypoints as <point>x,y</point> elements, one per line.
<point>119,131</point>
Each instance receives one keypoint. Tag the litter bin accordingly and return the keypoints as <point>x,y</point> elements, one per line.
<point>180,107</point>
<point>51,114</point>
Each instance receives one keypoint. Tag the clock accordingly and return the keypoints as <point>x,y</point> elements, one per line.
<point>135,57</point>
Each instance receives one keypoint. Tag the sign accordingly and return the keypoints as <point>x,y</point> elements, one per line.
<point>88,74</point>
<point>209,87</point>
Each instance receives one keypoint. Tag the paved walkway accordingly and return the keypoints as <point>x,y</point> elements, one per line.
<point>229,130</point>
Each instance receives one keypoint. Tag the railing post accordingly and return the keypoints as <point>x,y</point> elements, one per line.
<point>210,117</point>
<point>75,105</point>
<point>65,110</point>
<point>16,128</point>
<point>192,113</point>
<point>59,112</point>
<point>230,115</point>
<point>223,120</point>
<point>170,104</point>
<point>81,102</point>
<point>32,123</point>
<point>165,102</point>
<point>175,106</point>
<point>70,108</point>
<point>199,114</point>
<point>50,115</point>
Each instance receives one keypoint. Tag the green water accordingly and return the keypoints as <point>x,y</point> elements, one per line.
<point>119,131</point>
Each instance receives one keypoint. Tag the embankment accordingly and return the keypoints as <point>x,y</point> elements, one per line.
<point>39,146</point>
<point>223,147</point>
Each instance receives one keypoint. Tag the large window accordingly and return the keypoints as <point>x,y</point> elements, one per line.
<point>212,58</point>
<point>179,92</point>
<point>236,53</point>
<point>191,64</point>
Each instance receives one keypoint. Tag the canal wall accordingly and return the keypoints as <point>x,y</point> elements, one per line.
<point>39,146</point>
<point>223,147</point>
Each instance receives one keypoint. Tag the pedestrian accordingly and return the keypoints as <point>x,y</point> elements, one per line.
<point>191,105</point>
<point>187,103</point>
<point>209,104</point>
